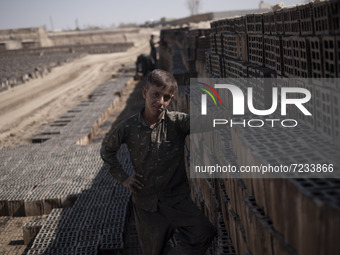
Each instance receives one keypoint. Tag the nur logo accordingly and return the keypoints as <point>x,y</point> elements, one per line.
<point>239,99</point>
<point>204,97</point>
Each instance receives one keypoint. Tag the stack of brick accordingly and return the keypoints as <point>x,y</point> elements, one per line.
<point>95,224</point>
<point>285,200</point>
<point>295,42</point>
<point>19,68</point>
<point>79,123</point>
<point>182,51</point>
<point>35,179</point>
<point>87,208</point>
<point>228,47</point>
<point>274,215</point>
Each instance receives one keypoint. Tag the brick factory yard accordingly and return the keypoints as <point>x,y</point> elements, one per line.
<point>25,108</point>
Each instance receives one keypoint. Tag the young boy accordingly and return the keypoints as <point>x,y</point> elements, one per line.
<point>161,193</point>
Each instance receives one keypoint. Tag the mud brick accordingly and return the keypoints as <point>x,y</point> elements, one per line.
<point>208,193</point>
<point>68,201</point>
<point>88,235</point>
<point>213,26</point>
<point>270,60</point>
<point>235,68</point>
<point>224,203</point>
<point>269,23</point>
<point>213,47</point>
<point>292,20</point>
<point>31,229</point>
<point>62,250</point>
<point>269,240</point>
<point>240,25</point>
<point>66,239</point>
<point>37,251</point>
<point>16,208</point>
<point>335,100</point>
<point>57,217</point>
<point>42,245</point>
<point>230,45</point>
<point>219,26</point>
<point>286,19</point>
<point>254,23</point>
<point>275,193</point>
<point>337,46</point>
<point>273,53</point>
<point>322,18</point>
<point>250,23</point>
<point>33,208</point>
<point>261,244</point>
<point>329,52</point>
<point>241,193</point>
<point>334,7</point>
<point>237,233</point>
<point>4,207</point>
<point>226,71</point>
<point>111,244</point>
<point>296,57</point>
<point>86,250</point>
<point>261,192</point>
<point>219,44</point>
<point>323,111</point>
<point>229,25</point>
<point>216,65</point>
<point>255,49</point>
<point>94,243</point>
<point>279,22</point>
<point>308,200</point>
<point>301,57</point>
<point>287,56</point>
<point>306,19</point>
<point>224,243</point>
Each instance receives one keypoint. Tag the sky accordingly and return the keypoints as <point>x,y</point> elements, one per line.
<point>67,14</point>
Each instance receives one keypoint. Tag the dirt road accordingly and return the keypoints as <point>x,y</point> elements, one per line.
<point>25,108</point>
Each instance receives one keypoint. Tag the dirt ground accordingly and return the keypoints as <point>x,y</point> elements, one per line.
<point>27,108</point>
<point>24,109</point>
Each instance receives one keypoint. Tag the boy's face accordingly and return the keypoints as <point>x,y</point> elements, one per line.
<point>157,99</point>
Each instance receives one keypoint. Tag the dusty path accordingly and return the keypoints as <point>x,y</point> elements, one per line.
<point>23,109</point>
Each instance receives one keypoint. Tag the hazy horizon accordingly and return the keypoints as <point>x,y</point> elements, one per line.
<point>67,15</point>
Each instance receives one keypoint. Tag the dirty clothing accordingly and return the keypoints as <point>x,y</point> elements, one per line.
<point>153,51</point>
<point>144,64</point>
<point>158,155</point>
<point>194,230</point>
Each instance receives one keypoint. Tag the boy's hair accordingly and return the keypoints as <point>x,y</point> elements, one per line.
<point>161,78</point>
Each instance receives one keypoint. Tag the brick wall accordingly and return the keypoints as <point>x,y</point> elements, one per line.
<point>278,215</point>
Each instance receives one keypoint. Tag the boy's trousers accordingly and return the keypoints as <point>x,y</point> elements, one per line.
<point>195,231</point>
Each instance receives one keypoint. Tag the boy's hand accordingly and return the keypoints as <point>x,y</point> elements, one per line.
<point>132,182</point>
